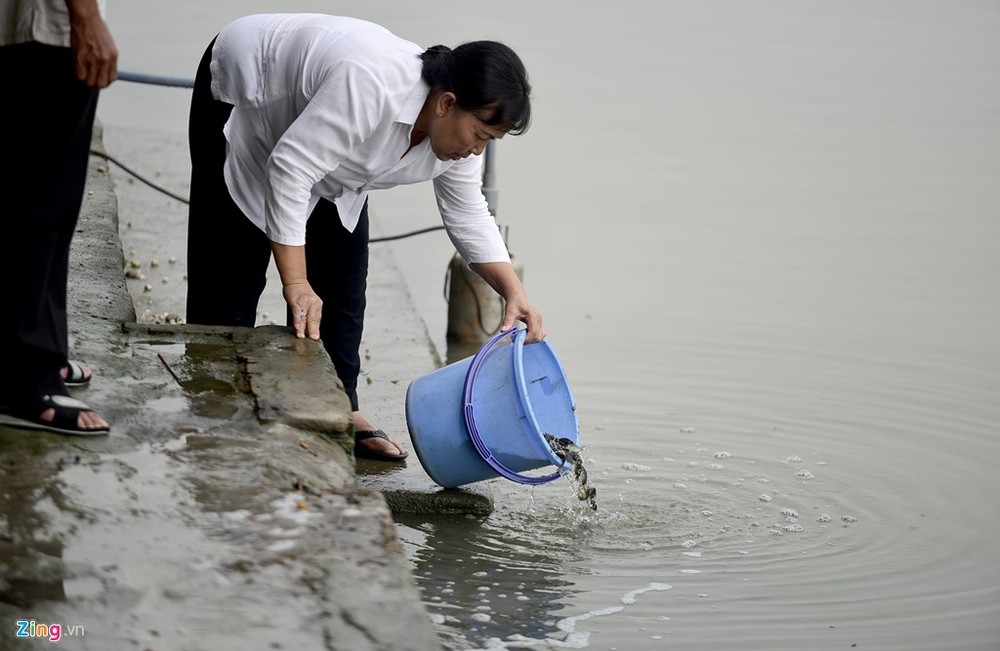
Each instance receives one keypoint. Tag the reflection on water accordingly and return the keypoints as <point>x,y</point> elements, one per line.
<point>482,579</point>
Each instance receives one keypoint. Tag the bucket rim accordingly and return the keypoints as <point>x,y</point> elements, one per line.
<point>470,417</point>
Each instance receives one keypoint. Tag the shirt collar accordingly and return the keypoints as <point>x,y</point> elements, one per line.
<point>413,103</point>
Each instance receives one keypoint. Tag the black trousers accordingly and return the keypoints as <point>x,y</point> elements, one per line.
<point>228,255</point>
<point>48,117</point>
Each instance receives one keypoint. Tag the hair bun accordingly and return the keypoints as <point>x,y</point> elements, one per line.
<point>437,50</point>
<point>436,66</point>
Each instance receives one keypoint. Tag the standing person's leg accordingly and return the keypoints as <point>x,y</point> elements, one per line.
<point>337,268</point>
<point>49,137</point>
<point>227,255</point>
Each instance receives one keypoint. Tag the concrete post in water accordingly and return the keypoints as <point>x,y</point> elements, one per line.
<point>474,308</point>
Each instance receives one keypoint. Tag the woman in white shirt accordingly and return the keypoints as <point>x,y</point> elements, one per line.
<point>294,119</point>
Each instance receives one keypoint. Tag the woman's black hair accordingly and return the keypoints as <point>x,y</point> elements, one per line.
<point>486,77</point>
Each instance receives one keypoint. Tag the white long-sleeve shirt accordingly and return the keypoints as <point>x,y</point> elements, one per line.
<point>324,107</point>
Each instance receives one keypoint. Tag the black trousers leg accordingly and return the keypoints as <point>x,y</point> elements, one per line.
<point>227,255</point>
<point>337,267</point>
<point>49,117</point>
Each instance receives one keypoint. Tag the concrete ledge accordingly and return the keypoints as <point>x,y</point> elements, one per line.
<point>97,284</point>
<point>291,380</point>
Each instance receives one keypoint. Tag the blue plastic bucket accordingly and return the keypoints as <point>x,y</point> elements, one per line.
<point>486,416</point>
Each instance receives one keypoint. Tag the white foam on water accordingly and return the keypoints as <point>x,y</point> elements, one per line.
<point>629,597</point>
<point>574,639</point>
<point>568,624</point>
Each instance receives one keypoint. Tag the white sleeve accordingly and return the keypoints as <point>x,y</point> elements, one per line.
<point>465,214</point>
<point>341,115</point>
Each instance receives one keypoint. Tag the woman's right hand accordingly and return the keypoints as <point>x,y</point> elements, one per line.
<point>306,307</point>
<point>95,54</point>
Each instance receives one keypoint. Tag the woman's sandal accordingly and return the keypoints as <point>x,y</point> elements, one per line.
<point>76,376</point>
<point>365,451</point>
<point>28,415</point>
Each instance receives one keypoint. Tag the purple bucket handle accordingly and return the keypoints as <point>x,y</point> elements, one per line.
<point>470,416</point>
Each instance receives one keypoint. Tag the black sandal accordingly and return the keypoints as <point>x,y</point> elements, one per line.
<point>365,451</point>
<point>76,376</point>
<point>28,415</point>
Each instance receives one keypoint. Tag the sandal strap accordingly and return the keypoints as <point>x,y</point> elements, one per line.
<point>65,402</point>
<point>370,434</point>
<point>66,409</point>
<point>75,374</point>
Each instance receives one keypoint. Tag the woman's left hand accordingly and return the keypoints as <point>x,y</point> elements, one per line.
<point>519,308</point>
<point>501,277</point>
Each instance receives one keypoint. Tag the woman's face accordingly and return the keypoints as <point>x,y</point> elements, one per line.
<point>459,133</point>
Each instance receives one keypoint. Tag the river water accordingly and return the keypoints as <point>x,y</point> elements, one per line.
<point>765,237</point>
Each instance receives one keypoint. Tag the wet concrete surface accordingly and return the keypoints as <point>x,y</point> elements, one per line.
<point>226,509</point>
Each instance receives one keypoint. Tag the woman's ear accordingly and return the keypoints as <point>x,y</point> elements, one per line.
<point>446,102</point>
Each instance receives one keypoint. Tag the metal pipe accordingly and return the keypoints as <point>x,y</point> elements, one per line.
<point>155,80</point>
<point>489,179</point>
